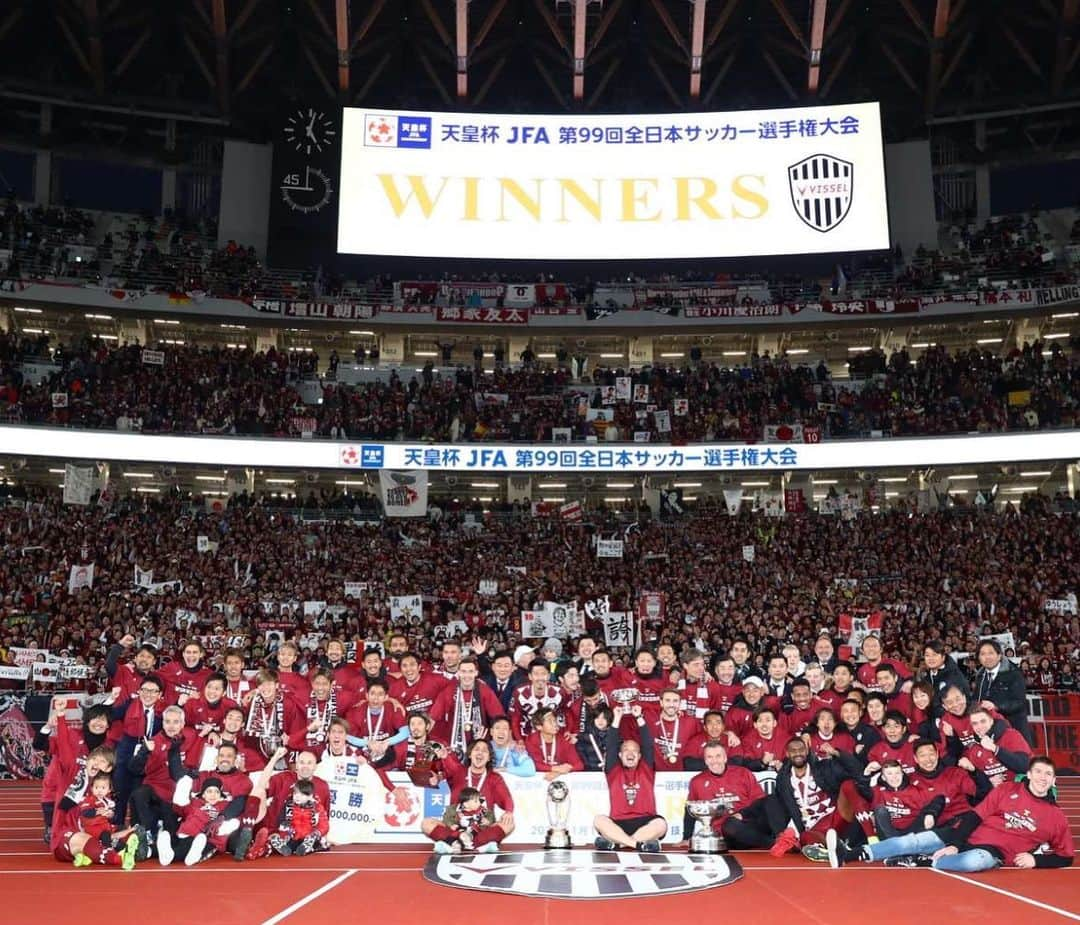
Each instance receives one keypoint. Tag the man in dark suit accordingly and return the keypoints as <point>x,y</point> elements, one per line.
<point>503,678</point>
<point>999,685</point>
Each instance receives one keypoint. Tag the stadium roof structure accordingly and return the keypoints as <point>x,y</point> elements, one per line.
<point>235,63</point>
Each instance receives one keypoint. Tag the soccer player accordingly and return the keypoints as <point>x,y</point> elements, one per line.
<point>746,825</point>
<point>416,690</point>
<point>527,699</point>
<point>672,732</point>
<point>184,678</point>
<point>1018,824</point>
<point>1000,751</point>
<point>552,752</point>
<point>479,774</point>
<point>631,773</point>
<point>464,709</point>
<point>817,797</point>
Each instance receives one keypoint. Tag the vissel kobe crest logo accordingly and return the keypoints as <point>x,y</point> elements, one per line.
<point>583,874</point>
<point>821,190</point>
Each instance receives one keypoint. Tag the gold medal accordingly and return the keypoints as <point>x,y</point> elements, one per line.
<point>672,759</point>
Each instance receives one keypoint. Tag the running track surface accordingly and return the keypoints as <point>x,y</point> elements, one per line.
<point>386,885</point>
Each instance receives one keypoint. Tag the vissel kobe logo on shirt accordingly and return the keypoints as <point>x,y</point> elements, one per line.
<point>821,189</point>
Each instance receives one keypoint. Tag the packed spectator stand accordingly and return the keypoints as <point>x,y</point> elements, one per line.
<point>228,391</point>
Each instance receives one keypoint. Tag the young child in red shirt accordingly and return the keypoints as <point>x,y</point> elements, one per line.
<point>303,823</point>
<point>204,831</point>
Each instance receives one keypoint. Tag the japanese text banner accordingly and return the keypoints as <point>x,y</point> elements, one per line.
<point>808,180</point>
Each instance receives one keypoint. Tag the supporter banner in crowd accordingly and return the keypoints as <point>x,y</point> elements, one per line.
<point>78,484</point>
<point>507,457</point>
<point>609,549</point>
<point>404,494</point>
<point>1055,721</point>
<point>482,315</point>
<point>80,576</point>
<point>18,757</point>
<point>364,811</point>
<point>808,180</point>
<point>344,310</point>
<point>405,607</point>
<point>153,357</point>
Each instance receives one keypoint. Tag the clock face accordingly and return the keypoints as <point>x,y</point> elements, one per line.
<point>310,131</point>
<point>307,192</point>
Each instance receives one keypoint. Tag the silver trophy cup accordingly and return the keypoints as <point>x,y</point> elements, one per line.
<point>706,838</point>
<point>558,813</point>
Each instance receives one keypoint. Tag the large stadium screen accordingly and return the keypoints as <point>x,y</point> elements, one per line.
<point>718,184</point>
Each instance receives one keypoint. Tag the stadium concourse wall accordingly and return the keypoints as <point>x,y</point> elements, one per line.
<point>608,458</point>
<point>201,306</point>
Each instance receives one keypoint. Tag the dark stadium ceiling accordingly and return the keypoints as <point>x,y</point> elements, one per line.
<point>233,65</point>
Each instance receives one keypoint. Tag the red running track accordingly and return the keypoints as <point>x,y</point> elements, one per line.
<point>386,885</point>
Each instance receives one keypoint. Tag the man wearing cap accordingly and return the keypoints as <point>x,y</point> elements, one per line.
<point>740,718</point>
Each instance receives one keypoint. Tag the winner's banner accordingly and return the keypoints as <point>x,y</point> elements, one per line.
<point>363,811</point>
<point>715,184</point>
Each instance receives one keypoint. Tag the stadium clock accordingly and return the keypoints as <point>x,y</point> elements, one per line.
<point>307,192</point>
<point>309,130</point>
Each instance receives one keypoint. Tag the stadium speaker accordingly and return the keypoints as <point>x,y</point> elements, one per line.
<point>588,481</point>
<point>1011,471</point>
<point>311,477</point>
<point>451,480</point>
<point>866,476</point>
<point>168,471</point>
<point>18,465</point>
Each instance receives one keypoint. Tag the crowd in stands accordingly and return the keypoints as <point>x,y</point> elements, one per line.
<point>951,574</point>
<point>218,390</point>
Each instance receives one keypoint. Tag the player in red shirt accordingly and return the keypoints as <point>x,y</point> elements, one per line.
<point>824,732</point>
<point>323,703</point>
<point>712,731</point>
<point>1011,826</point>
<point>376,724</point>
<point>820,692</point>
<point>237,686</point>
<point>480,775</point>
<point>673,732</point>
<point>1000,751</point>
<point>894,745</point>
<point>552,752</point>
<point>648,679</point>
<point>272,717</point>
<point>954,784</point>
<point>609,676</point>
<point>762,748</point>
<point>888,682</point>
<point>128,676</point>
<point>346,676</point>
<point>184,678</point>
<point>740,717</point>
<point>464,708</point>
<point>698,691</point>
<point>803,710</point>
<point>871,653</point>
<point>206,714</point>
<point>899,806</point>
<point>745,825</point>
<point>292,683</point>
<point>416,690</point>
<point>729,685</point>
<point>631,776</point>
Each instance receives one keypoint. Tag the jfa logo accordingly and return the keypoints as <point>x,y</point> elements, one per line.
<point>397,131</point>
<point>371,457</point>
